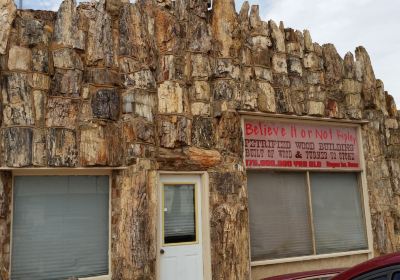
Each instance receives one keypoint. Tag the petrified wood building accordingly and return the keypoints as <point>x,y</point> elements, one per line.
<point>127,128</point>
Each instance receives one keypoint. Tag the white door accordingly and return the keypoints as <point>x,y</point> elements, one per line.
<point>181,252</point>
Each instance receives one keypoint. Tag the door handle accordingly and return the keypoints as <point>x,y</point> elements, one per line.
<point>162,251</point>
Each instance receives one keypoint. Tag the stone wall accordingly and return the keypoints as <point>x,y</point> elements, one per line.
<point>157,85</point>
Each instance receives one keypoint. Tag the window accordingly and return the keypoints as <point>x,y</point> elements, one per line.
<point>290,217</point>
<point>396,276</point>
<point>60,227</point>
<point>179,214</point>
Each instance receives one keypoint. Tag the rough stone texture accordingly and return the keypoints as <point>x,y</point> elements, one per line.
<point>7,15</point>
<point>229,232</point>
<point>17,146</point>
<point>157,85</point>
<point>134,224</point>
<point>19,58</point>
<point>106,104</point>
<point>5,222</point>
<point>62,148</point>
<point>17,100</point>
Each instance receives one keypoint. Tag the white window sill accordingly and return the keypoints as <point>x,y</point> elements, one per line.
<point>313,257</point>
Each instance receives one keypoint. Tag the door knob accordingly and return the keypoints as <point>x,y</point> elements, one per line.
<point>162,251</point>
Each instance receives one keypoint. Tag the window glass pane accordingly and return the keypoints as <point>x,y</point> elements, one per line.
<point>382,277</point>
<point>338,218</point>
<point>396,276</point>
<point>279,216</point>
<point>60,227</point>
<point>179,214</point>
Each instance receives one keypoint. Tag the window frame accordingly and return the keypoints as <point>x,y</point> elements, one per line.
<point>361,176</point>
<point>307,175</point>
<point>67,172</point>
<point>196,215</point>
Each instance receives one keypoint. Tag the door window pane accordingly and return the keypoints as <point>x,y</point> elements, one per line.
<point>179,214</point>
<point>279,215</point>
<point>60,227</point>
<point>338,217</point>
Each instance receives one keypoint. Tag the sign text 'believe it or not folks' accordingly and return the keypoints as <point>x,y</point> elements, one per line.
<point>270,144</point>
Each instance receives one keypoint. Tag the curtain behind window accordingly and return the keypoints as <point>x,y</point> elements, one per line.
<point>338,216</point>
<point>60,227</point>
<point>279,216</point>
<point>179,213</point>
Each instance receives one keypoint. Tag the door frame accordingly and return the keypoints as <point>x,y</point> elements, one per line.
<point>205,219</point>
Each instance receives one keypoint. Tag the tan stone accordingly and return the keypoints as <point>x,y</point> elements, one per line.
<point>312,61</point>
<point>67,59</point>
<point>93,146</point>
<point>266,98</point>
<point>263,73</point>
<point>39,148</point>
<point>315,108</point>
<point>144,105</point>
<point>353,100</point>
<point>261,42</point>
<point>200,66</point>
<point>113,6</point>
<point>200,108</point>
<point>351,86</point>
<point>308,44</point>
<point>39,98</point>
<point>39,81</point>
<point>316,93</point>
<point>170,98</point>
<point>7,15</point>
<point>279,63</point>
<point>224,20</point>
<point>200,91</point>
<point>19,58</point>
<point>278,37</point>
<point>61,112</point>
<point>391,124</point>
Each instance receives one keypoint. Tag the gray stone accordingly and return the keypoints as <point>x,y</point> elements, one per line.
<point>17,100</point>
<point>99,76</point>
<point>203,132</point>
<point>62,148</point>
<point>67,59</point>
<point>66,31</point>
<point>17,146</point>
<point>62,112</point>
<point>106,104</point>
<point>66,83</point>
<point>174,131</point>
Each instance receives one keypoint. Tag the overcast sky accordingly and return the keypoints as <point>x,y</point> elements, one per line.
<point>374,24</point>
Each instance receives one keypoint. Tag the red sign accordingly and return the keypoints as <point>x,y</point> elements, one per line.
<point>295,145</point>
